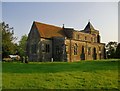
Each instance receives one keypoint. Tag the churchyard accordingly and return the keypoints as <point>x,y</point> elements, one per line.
<point>97,74</point>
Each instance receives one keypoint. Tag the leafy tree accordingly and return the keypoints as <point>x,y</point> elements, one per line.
<point>111,49</point>
<point>8,45</point>
<point>22,46</point>
<point>118,51</point>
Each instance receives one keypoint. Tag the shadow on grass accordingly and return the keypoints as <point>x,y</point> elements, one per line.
<point>84,66</point>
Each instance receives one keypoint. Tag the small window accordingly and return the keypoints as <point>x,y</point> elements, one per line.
<point>75,49</point>
<point>43,47</point>
<point>89,50</point>
<point>82,49</point>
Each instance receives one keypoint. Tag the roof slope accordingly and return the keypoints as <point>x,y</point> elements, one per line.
<point>49,31</point>
<point>89,28</point>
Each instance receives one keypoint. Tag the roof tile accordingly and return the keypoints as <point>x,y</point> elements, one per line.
<point>49,31</point>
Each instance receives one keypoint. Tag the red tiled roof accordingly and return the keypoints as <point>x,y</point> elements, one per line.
<point>49,31</point>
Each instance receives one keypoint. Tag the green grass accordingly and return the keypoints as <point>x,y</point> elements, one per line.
<point>76,75</point>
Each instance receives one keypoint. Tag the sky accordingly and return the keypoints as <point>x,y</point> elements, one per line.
<point>102,15</point>
<point>119,22</point>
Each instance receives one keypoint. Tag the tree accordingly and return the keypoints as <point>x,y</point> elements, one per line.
<point>0,40</point>
<point>22,45</point>
<point>111,49</point>
<point>8,45</point>
<point>118,51</point>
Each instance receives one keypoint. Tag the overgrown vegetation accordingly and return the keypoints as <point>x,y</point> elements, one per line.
<point>8,45</point>
<point>22,46</point>
<point>113,50</point>
<point>101,74</point>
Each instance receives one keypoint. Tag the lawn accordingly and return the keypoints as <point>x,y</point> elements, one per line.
<point>61,75</point>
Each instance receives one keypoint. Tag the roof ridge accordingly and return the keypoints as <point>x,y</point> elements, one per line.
<point>46,24</point>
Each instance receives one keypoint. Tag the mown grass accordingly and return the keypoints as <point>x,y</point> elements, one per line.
<point>61,75</point>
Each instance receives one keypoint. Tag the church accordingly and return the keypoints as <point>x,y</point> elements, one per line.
<point>48,43</point>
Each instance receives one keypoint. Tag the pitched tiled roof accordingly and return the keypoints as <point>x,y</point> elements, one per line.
<point>49,31</point>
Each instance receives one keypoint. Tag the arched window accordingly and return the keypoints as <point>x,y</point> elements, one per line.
<point>89,50</point>
<point>43,47</point>
<point>75,49</point>
<point>94,53</point>
<point>82,49</point>
<point>82,56</point>
<point>47,48</point>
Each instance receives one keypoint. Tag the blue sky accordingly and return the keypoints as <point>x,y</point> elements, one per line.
<point>103,16</point>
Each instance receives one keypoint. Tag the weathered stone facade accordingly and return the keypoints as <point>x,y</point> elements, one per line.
<point>50,43</point>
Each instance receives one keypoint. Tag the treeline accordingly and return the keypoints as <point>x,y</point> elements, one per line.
<point>9,47</point>
<point>113,50</point>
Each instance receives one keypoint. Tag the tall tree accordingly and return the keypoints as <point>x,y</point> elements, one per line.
<point>111,49</point>
<point>8,45</point>
<point>22,45</point>
<point>118,51</point>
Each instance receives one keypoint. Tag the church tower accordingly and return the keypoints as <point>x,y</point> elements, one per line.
<point>91,30</point>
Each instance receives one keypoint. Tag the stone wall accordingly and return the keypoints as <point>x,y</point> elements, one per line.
<point>45,48</point>
<point>59,53</point>
<point>33,44</point>
<point>85,50</point>
<point>85,36</point>
<point>75,46</point>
